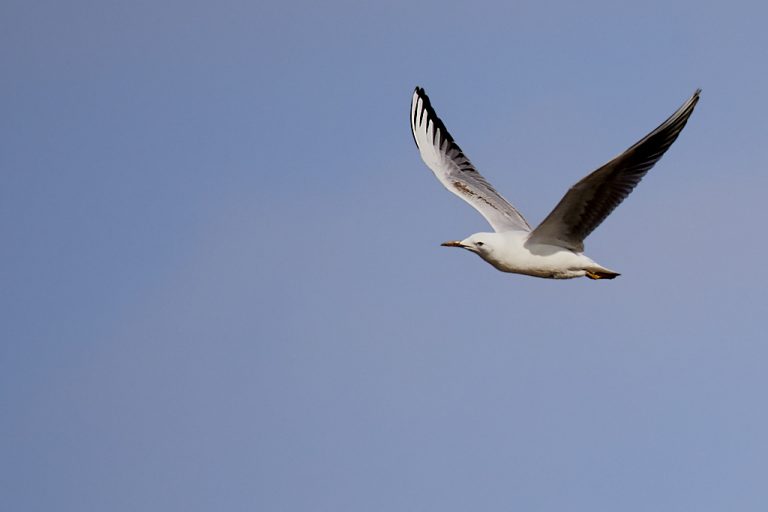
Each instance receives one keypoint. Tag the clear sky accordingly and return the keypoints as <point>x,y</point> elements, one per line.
<point>222,285</point>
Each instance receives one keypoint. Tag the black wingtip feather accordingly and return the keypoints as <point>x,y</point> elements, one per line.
<point>418,91</point>
<point>440,128</point>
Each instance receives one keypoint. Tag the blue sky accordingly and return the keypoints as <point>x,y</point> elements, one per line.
<point>223,287</point>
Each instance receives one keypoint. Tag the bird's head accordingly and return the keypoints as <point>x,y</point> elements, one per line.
<point>479,243</point>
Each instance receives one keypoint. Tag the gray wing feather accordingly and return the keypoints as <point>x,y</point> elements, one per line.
<point>454,170</point>
<point>593,198</point>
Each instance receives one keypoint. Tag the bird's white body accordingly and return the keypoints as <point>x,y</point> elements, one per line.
<point>555,249</point>
<point>512,251</point>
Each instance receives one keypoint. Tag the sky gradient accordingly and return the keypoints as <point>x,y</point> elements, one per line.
<point>223,287</point>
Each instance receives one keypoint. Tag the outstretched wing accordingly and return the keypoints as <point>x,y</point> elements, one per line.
<point>593,198</point>
<point>454,170</point>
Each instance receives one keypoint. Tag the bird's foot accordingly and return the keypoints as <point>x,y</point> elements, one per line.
<point>601,275</point>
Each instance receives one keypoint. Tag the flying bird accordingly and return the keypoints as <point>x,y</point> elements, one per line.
<point>555,249</point>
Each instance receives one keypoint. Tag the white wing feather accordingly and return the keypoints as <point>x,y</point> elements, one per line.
<point>454,170</point>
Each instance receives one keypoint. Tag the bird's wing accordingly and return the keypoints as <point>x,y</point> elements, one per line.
<point>454,170</point>
<point>593,198</point>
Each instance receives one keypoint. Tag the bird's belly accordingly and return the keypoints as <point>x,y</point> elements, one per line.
<point>543,261</point>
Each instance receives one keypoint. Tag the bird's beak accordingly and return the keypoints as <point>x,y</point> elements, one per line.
<point>454,243</point>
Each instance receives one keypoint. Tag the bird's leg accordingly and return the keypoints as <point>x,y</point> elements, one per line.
<point>601,275</point>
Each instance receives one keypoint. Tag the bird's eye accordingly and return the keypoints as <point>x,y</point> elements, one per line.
<point>479,244</point>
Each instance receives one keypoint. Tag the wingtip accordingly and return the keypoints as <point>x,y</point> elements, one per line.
<point>421,94</point>
<point>686,109</point>
<point>418,93</point>
<point>695,96</point>
<point>693,101</point>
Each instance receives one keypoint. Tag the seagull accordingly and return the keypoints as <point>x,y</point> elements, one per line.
<point>555,249</point>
